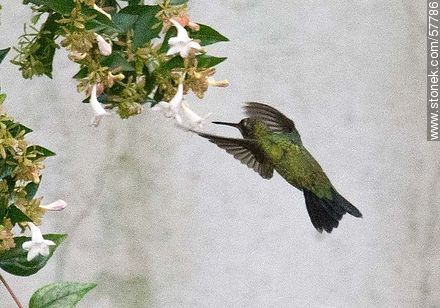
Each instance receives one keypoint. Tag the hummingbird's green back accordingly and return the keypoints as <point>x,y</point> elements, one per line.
<point>292,160</point>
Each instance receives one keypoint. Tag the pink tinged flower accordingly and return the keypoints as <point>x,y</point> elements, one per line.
<point>98,110</point>
<point>172,108</point>
<point>193,119</point>
<point>37,245</point>
<point>97,8</point>
<point>105,48</point>
<point>182,44</point>
<point>58,205</point>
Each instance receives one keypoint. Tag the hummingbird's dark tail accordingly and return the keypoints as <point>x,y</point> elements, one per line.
<point>325,214</point>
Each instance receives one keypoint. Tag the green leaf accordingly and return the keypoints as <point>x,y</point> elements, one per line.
<point>16,215</point>
<point>3,53</point>
<point>204,61</point>
<point>172,63</point>
<point>60,295</point>
<point>3,207</point>
<point>15,128</point>
<point>100,22</point>
<point>5,169</point>
<point>82,73</point>
<point>178,2</point>
<point>207,35</point>
<point>40,151</point>
<point>124,21</point>
<point>140,18</point>
<point>143,28</point>
<point>64,7</point>
<point>134,2</point>
<point>31,189</point>
<point>116,60</point>
<point>172,32</point>
<point>158,96</point>
<point>14,261</point>
<point>150,80</point>
<point>10,181</point>
<point>2,98</point>
<point>209,61</point>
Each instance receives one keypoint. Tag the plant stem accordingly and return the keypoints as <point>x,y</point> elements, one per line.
<point>19,305</point>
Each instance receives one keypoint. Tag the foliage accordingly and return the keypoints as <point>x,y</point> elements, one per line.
<point>20,176</point>
<point>127,55</point>
<point>138,69</point>
<point>14,260</point>
<point>62,294</point>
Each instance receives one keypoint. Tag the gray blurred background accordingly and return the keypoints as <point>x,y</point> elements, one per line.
<point>162,218</point>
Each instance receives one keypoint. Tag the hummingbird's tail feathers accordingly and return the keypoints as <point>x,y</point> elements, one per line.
<point>325,214</point>
<point>346,205</point>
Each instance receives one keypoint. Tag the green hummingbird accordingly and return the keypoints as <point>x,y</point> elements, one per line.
<point>271,142</point>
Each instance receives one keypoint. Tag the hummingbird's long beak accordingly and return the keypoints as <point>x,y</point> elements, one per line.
<point>236,125</point>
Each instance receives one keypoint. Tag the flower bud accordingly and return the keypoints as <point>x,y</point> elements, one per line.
<point>58,205</point>
<point>193,26</point>
<point>105,48</point>
<point>218,83</point>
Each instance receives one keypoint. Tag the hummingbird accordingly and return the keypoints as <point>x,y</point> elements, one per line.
<point>271,142</point>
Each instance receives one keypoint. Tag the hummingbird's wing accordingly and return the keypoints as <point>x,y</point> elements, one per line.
<point>245,150</point>
<point>275,120</point>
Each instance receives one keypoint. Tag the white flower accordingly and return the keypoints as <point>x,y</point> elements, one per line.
<point>178,109</point>
<point>182,43</point>
<point>105,48</point>
<point>58,205</point>
<point>98,110</point>
<point>37,245</point>
<point>194,120</point>
<point>97,8</point>
<point>172,109</point>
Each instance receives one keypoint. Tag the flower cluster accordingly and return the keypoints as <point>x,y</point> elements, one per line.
<point>128,57</point>
<point>20,167</point>
<point>178,109</point>
<point>20,174</point>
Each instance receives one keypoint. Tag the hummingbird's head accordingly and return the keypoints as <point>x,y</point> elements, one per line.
<point>245,126</point>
